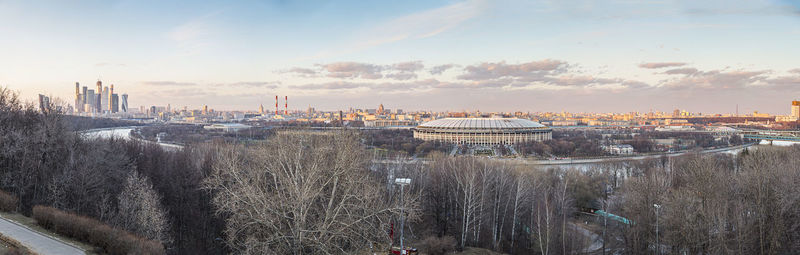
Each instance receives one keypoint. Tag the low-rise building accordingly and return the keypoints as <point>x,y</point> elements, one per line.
<point>619,149</point>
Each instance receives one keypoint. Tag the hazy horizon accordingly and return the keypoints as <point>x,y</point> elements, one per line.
<point>576,56</point>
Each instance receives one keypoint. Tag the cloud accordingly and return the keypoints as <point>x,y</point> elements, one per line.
<point>104,64</point>
<point>373,87</point>
<point>168,83</point>
<point>485,71</point>
<point>258,84</point>
<point>686,71</point>
<point>339,85</point>
<point>411,66</point>
<point>785,82</point>
<point>183,93</point>
<point>192,29</point>
<point>402,76</point>
<point>353,70</point>
<point>440,69</point>
<point>656,65</point>
<point>716,80</point>
<point>423,24</point>
<point>302,71</point>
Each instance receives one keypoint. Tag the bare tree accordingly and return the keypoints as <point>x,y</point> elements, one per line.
<point>301,193</point>
<point>140,210</point>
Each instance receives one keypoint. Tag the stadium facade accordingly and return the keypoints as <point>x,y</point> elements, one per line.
<point>483,131</point>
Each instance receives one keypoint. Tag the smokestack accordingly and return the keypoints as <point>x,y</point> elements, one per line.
<point>276,105</point>
<point>286,100</point>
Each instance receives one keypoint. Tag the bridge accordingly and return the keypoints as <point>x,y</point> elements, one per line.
<point>772,135</point>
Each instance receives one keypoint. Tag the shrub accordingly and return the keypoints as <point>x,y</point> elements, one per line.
<point>110,239</point>
<point>438,245</point>
<point>8,202</point>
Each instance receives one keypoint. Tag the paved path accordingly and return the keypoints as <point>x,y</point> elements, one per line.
<point>35,241</point>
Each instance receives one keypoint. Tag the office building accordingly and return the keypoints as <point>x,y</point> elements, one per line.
<point>114,103</point>
<point>78,102</point>
<point>98,98</point>
<point>124,103</point>
<point>796,109</point>
<point>44,103</point>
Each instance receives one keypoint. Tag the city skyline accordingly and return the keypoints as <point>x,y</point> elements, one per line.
<point>576,56</point>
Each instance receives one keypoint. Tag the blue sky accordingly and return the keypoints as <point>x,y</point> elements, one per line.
<point>580,56</point>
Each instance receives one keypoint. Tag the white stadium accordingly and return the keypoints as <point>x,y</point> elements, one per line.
<point>482,131</point>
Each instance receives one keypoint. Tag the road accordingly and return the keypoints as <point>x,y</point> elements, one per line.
<point>35,241</point>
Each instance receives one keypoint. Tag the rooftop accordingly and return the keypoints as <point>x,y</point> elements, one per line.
<point>481,123</point>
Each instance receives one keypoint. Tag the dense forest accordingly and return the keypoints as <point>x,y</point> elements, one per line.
<point>319,193</point>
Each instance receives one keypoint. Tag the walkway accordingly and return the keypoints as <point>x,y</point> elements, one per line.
<point>35,241</point>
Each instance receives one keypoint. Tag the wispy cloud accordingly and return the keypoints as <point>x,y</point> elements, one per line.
<point>423,24</point>
<point>656,65</point>
<point>440,68</point>
<point>168,83</point>
<point>107,64</point>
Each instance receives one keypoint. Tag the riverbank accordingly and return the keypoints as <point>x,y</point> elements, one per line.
<point>628,158</point>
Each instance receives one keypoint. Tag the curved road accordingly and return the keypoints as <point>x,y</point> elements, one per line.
<point>35,241</point>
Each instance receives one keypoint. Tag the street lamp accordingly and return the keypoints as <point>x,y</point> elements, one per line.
<point>402,182</point>
<point>658,245</point>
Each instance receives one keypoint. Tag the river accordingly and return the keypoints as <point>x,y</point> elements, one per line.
<point>124,133</point>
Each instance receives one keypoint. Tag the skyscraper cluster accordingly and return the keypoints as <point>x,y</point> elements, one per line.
<point>101,100</point>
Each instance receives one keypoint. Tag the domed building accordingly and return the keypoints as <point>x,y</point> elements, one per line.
<point>482,131</point>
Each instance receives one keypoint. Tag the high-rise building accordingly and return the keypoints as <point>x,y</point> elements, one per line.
<point>261,109</point>
<point>78,103</point>
<point>91,101</point>
<point>98,99</point>
<point>114,103</point>
<point>796,109</point>
<point>109,101</point>
<point>44,103</point>
<point>104,99</point>
<point>380,109</point>
<point>124,104</point>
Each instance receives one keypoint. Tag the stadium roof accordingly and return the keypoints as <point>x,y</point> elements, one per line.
<point>481,123</point>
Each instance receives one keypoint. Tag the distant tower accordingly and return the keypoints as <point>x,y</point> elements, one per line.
<point>104,99</point>
<point>380,110</point>
<point>114,103</point>
<point>796,109</point>
<point>99,100</point>
<point>83,95</point>
<point>276,105</point>
<point>44,103</point>
<point>286,109</point>
<point>78,103</point>
<point>110,100</point>
<point>261,109</point>
<point>124,103</point>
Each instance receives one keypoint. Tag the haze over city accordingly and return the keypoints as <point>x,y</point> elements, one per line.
<point>580,56</point>
<point>437,127</point>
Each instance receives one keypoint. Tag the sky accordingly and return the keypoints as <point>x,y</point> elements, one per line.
<point>502,55</point>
